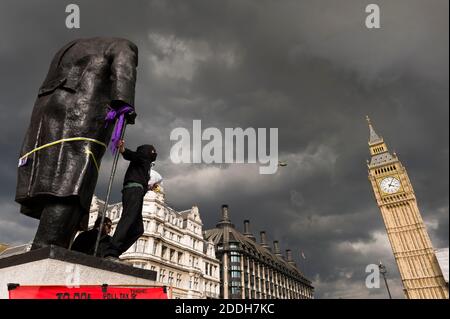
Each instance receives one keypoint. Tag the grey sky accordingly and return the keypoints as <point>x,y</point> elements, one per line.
<point>310,68</point>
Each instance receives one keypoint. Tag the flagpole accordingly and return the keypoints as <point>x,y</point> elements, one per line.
<point>111,180</point>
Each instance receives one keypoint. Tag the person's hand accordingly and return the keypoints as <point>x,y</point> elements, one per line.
<point>131,117</point>
<point>121,146</point>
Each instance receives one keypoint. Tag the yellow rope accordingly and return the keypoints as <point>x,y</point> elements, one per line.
<point>71,139</point>
<point>61,141</point>
<point>89,152</point>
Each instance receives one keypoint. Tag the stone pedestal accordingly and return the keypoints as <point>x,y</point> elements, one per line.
<point>56,266</point>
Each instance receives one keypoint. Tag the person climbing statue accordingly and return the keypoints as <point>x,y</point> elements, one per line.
<point>135,186</point>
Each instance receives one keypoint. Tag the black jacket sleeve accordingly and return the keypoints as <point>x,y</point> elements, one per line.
<point>133,156</point>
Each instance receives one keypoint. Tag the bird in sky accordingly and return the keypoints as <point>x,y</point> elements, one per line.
<point>282,163</point>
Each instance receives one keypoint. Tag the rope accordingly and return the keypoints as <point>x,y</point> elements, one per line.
<point>22,159</point>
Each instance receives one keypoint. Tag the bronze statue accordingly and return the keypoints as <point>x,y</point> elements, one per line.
<point>68,135</point>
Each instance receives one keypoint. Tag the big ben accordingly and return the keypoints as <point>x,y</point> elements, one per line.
<point>419,269</point>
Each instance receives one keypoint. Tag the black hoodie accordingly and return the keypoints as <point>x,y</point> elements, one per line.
<point>140,163</point>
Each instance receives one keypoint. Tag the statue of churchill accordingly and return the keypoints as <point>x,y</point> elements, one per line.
<point>88,80</point>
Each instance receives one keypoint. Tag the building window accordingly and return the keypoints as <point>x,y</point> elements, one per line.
<point>161,275</point>
<point>235,287</point>
<point>235,257</point>
<point>196,283</point>
<point>178,284</point>
<point>155,246</point>
<point>140,245</point>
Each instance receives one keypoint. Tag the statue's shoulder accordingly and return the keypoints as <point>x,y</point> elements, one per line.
<point>103,40</point>
<point>127,42</point>
<point>111,41</point>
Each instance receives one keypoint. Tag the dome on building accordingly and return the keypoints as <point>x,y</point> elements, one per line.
<point>155,178</point>
<point>156,182</point>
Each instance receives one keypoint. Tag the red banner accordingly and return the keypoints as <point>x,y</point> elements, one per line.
<point>87,292</point>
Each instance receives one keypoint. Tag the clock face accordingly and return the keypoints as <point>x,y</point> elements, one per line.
<point>390,185</point>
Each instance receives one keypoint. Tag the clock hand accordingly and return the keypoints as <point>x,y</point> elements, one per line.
<point>390,183</point>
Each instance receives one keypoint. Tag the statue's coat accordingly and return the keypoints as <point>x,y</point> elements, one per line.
<point>85,76</point>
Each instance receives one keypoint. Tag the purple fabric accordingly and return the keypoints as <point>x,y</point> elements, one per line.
<point>119,115</point>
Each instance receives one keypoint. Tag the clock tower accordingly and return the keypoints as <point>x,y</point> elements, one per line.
<point>419,269</point>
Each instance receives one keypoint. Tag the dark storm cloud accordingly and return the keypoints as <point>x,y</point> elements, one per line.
<point>310,68</point>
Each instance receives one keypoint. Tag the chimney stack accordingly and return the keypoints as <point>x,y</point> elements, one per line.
<point>247,232</point>
<point>289,257</point>
<point>276,248</point>
<point>246,227</point>
<point>225,221</point>
<point>263,240</point>
<point>225,217</point>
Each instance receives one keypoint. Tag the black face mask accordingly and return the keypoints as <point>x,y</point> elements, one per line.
<point>149,151</point>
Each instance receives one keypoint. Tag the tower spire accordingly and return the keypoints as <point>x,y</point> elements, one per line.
<point>373,136</point>
<point>378,149</point>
